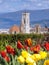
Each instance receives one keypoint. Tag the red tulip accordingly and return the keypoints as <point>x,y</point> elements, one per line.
<point>10,50</point>
<point>19,45</point>
<point>7,58</point>
<point>26,47</point>
<point>31,48</point>
<point>36,48</point>
<point>3,53</point>
<point>46,45</point>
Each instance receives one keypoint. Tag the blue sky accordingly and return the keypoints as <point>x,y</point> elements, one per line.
<point>15,5</point>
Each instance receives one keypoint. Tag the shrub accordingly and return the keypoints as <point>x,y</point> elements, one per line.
<point>11,39</point>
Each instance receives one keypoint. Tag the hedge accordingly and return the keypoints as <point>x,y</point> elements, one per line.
<point>13,38</point>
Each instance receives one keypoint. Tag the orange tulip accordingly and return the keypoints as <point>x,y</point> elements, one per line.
<point>28,42</point>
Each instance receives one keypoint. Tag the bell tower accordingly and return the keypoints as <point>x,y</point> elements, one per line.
<point>25,24</point>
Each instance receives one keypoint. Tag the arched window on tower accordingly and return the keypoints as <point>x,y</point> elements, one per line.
<point>24,20</point>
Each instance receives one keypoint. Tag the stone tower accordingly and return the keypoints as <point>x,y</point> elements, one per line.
<point>25,24</point>
<point>38,28</point>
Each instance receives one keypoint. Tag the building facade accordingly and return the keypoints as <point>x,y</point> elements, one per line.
<point>38,29</point>
<point>25,24</point>
<point>4,31</point>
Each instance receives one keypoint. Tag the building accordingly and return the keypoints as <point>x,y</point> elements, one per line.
<point>25,24</point>
<point>25,27</point>
<point>14,30</point>
<point>38,29</point>
<point>4,31</point>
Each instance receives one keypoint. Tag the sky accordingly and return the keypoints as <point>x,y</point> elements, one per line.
<point>15,5</point>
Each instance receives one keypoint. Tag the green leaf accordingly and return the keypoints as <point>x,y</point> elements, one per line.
<point>41,62</point>
<point>2,61</point>
<point>13,60</point>
<point>17,63</point>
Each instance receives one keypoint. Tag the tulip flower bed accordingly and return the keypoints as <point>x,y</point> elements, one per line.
<point>25,54</point>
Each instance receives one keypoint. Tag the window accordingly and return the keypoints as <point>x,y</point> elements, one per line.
<point>24,20</point>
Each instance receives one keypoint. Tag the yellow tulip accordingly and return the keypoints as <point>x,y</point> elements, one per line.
<point>46,62</point>
<point>43,54</point>
<point>31,63</point>
<point>36,57</point>
<point>29,60</point>
<point>48,55</point>
<point>25,54</point>
<point>21,59</point>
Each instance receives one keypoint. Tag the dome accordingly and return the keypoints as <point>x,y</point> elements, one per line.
<point>14,29</point>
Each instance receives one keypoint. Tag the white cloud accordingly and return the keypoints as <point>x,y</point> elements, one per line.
<point>14,5</point>
<point>1,1</point>
<point>15,0</point>
<point>9,8</point>
<point>39,4</point>
<point>31,0</point>
<point>12,9</point>
<point>46,1</point>
<point>26,5</point>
